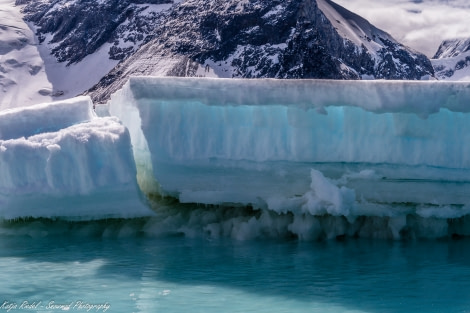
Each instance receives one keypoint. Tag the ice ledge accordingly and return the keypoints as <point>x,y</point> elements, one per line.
<point>59,160</point>
<point>45,117</point>
<point>378,96</point>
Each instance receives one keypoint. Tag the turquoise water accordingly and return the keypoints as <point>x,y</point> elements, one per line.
<point>57,266</point>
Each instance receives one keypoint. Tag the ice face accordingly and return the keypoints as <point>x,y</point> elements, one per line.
<point>60,160</point>
<point>302,146</point>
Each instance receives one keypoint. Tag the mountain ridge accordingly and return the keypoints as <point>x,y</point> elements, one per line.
<point>452,60</point>
<point>275,39</point>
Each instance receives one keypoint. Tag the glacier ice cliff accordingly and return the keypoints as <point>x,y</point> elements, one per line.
<point>307,147</point>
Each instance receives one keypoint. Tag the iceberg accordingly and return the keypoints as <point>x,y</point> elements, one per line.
<point>247,158</point>
<point>343,148</point>
<point>59,160</point>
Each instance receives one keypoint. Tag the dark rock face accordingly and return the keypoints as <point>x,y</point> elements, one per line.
<point>282,39</point>
<point>412,66</point>
<point>279,39</point>
<point>235,38</point>
<point>79,28</point>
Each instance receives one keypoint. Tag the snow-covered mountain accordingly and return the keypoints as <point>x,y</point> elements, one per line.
<point>75,29</point>
<point>106,41</point>
<point>254,39</point>
<point>20,62</point>
<point>452,60</point>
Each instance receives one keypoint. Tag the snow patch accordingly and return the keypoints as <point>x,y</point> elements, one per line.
<point>71,80</point>
<point>23,80</point>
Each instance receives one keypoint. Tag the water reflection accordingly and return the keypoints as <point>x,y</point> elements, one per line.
<point>174,273</point>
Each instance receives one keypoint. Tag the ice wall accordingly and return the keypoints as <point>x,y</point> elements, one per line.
<point>344,148</point>
<point>315,159</point>
<point>60,160</point>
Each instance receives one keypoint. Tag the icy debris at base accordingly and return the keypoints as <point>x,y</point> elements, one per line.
<point>323,198</point>
<point>327,198</point>
<point>241,223</point>
<point>60,160</point>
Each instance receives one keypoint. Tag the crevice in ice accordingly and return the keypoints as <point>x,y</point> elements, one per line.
<point>130,116</point>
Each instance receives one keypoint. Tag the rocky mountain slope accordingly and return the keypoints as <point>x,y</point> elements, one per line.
<point>78,28</point>
<point>222,38</point>
<point>452,60</point>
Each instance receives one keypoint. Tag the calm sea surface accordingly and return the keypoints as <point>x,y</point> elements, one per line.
<point>76,268</point>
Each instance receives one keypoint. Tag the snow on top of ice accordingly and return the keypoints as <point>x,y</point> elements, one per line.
<point>27,121</point>
<point>419,97</point>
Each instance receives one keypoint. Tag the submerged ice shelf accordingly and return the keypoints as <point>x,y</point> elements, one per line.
<point>344,148</point>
